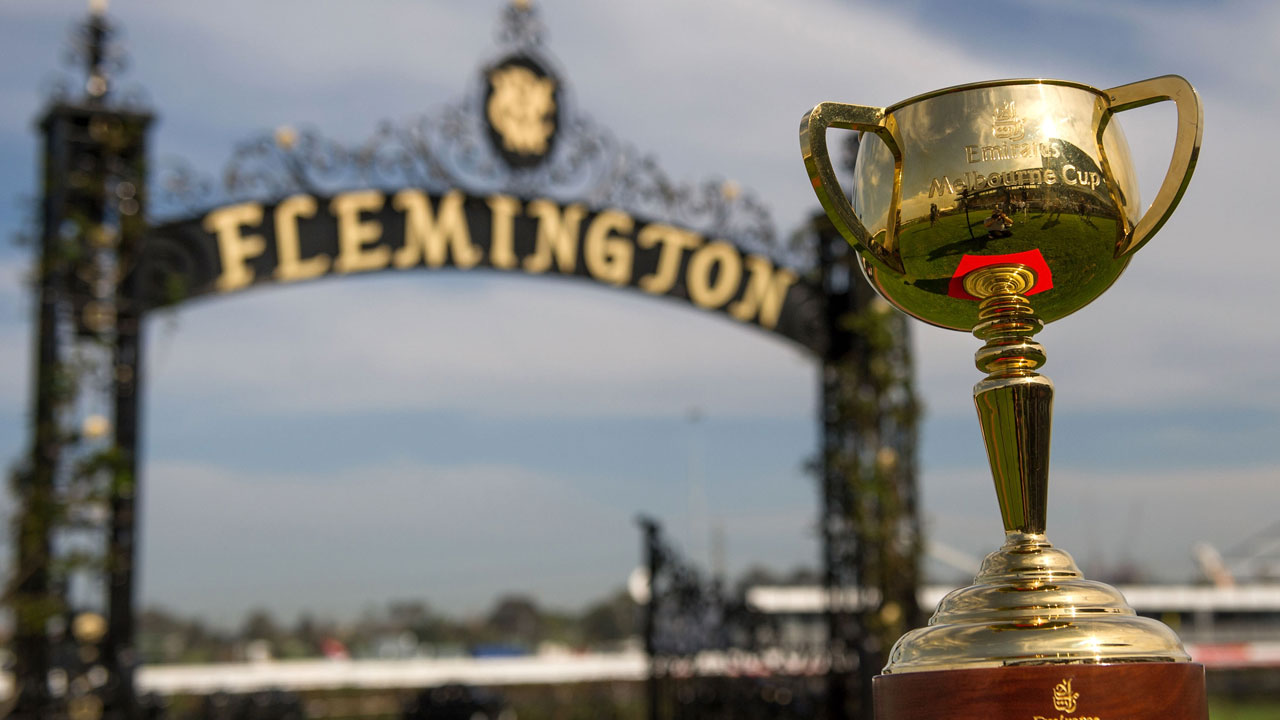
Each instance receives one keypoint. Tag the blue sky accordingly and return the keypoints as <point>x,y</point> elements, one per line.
<point>449,436</point>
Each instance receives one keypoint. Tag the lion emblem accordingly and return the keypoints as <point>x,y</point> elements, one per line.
<point>520,109</point>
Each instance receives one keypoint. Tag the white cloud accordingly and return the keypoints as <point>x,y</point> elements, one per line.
<point>718,88</point>
<point>496,347</point>
<point>1151,518</point>
<point>220,542</point>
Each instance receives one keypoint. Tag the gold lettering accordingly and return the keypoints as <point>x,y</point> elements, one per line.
<point>766,290</point>
<point>1010,151</point>
<point>502,243</point>
<point>938,187</point>
<point>979,181</point>
<point>234,248</point>
<point>1072,175</point>
<point>290,266</point>
<point>432,238</point>
<point>703,290</point>
<point>355,235</point>
<point>995,152</point>
<point>557,237</point>
<point>674,242</point>
<point>1050,177</point>
<point>608,256</point>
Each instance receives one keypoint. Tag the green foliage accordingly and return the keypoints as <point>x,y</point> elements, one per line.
<point>514,620</point>
<point>1225,708</point>
<point>611,620</point>
<point>872,407</point>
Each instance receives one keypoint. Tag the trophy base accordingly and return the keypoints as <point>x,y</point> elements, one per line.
<point>1129,691</point>
<point>1031,606</point>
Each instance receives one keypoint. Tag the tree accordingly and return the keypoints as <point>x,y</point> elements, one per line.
<point>609,620</point>
<point>517,618</point>
<point>260,626</point>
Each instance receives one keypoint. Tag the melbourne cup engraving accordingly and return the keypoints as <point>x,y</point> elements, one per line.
<point>994,208</point>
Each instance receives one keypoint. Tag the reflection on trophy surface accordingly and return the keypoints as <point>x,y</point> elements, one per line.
<point>994,208</point>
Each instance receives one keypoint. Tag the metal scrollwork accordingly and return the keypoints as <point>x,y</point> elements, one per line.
<point>450,149</point>
<point>181,189</point>
<point>520,26</point>
<point>713,655</point>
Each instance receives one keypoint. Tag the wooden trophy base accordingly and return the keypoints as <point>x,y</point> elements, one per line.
<point>1124,691</point>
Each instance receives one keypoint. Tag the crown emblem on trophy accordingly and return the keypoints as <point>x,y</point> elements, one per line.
<point>1007,125</point>
<point>1063,699</point>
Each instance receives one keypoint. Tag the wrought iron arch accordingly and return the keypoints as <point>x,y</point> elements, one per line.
<point>472,186</point>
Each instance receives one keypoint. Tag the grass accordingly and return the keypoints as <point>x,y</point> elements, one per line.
<point>1077,250</point>
<point>1221,708</point>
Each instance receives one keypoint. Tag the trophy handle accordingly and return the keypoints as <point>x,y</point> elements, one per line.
<point>1186,147</point>
<point>817,161</point>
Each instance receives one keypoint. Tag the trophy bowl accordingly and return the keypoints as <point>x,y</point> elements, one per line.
<point>994,208</point>
<point>1030,172</point>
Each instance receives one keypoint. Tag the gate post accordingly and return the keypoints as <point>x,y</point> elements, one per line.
<point>92,222</point>
<point>870,524</point>
<point>31,596</point>
<point>126,374</point>
<point>653,564</point>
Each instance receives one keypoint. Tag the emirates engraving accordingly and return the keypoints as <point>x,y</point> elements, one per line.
<point>1064,701</point>
<point>1007,125</point>
<point>1063,698</point>
<point>1010,151</point>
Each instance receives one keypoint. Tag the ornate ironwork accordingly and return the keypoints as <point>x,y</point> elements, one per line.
<point>870,527</point>
<point>95,50</point>
<point>78,483</point>
<point>451,149</point>
<point>712,655</point>
<point>520,26</point>
<point>867,544</point>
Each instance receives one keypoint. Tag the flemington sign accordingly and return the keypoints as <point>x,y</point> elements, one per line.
<point>561,197</point>
<point>304,237</point>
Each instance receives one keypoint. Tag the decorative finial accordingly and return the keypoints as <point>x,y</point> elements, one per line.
<point>520,25</point>
<point>286,137</point>
<point>93,47</point>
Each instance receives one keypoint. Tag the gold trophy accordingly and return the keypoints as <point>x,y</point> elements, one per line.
<point>994,208</point>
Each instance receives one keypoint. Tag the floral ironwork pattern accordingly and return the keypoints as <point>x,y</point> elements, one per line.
<point>450,149</point>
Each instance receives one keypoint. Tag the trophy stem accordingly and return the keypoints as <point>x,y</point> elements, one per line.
<point>1029,605</point>
<point>1014,402</point>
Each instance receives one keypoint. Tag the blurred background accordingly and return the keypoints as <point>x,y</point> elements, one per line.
<point>329,466</point>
